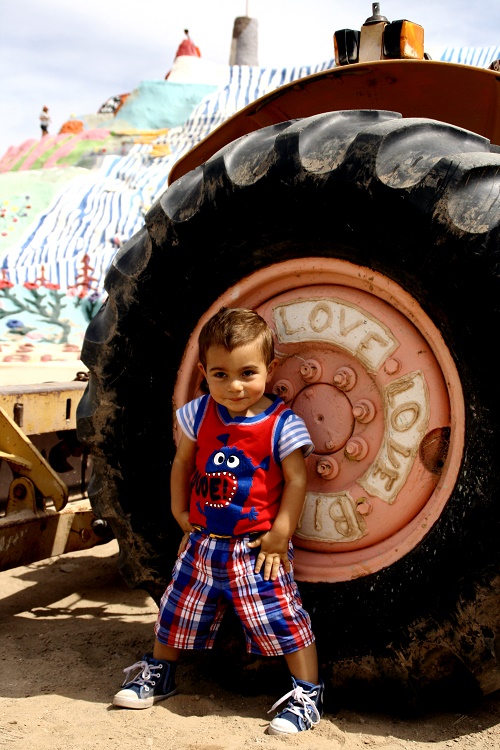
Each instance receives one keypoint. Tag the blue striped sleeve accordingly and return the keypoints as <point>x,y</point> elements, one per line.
<point>294,435</point>
<point>186,416</point>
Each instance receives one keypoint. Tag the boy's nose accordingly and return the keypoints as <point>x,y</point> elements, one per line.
<point>236,385</point>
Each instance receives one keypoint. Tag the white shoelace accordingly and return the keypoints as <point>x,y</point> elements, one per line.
<point>301,702</point>
<point>143,675</point>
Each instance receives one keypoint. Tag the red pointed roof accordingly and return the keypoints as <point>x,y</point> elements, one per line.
<point>187,47</point>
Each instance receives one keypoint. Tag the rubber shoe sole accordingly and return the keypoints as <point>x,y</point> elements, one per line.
<point>130,699</point>
<point>282,726</point>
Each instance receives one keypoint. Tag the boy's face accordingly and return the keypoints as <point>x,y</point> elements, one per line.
<point>238,379</point>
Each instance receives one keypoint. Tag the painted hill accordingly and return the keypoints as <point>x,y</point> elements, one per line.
<point>69,201</point>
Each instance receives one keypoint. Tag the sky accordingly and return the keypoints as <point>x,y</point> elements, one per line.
<point>73,55</point>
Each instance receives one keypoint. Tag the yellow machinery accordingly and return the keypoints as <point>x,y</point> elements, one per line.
<point>37,520</point>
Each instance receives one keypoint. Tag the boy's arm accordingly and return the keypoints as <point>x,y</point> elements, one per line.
<point>274,543</point>
<point>180,477</point>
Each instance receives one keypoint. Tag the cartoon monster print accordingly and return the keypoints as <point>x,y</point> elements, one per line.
<point>225,487</point>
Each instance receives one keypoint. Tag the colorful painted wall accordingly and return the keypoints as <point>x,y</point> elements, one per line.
<point>68,201</point>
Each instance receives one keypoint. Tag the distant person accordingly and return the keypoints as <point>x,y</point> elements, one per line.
<point>238,485</point>
<point>45,121</point>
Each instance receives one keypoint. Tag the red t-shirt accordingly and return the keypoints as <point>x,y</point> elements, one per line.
<point>236,487</point>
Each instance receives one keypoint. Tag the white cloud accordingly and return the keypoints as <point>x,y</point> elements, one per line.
<point>73,56</point>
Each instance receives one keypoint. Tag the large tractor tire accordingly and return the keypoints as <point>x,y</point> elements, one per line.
<point>370,244</point>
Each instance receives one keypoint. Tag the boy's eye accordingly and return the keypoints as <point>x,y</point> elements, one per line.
<point>219,375</point>
<point>248,373</point>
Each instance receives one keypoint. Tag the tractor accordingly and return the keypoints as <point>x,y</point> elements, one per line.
<point>358,211</point>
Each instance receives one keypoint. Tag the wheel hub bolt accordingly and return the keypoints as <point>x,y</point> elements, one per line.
<point>392,366</point>
<point>364,506</point>
<point>345,378</point>
<point>310,371</point>
<point>363,411</point>
<point>284,389</point>
<point>327,468</point>
<point>356,449</point>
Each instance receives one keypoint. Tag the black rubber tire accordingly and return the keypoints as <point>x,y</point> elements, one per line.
<point>414,199</point>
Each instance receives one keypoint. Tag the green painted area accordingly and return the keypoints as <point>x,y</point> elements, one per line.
<point>20,162</point>
<point>43,158</point>
<point>84,148</point>
<point>25,195</point>
<point>80,148</point>
<point>160,104</point>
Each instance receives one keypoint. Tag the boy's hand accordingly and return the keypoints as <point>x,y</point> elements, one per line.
<point>273,552</point>
<point>183,521</point>
<point>183,544</point>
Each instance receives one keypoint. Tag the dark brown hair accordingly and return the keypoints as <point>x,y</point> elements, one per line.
<point>231,327</point>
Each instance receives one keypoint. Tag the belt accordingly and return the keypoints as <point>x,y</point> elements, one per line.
<point>213,536</point>
<point>227,536</point>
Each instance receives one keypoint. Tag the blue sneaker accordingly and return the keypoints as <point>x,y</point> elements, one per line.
<point>303,710</point>
<point>154,681</point>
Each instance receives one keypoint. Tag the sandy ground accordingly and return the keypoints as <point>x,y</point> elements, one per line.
<point>69,625</point>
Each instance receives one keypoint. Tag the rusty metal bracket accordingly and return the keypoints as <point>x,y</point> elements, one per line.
<point>26,536</point>
<point>42,408</point>
<point>26,461</point>
<point>29,530</point>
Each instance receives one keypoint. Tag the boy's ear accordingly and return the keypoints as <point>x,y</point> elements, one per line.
<point>270,370</point>
<point>202,369</point>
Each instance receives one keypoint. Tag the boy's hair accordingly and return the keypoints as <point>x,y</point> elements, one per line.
<point>233,327</point>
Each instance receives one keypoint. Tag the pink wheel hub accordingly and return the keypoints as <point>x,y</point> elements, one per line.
<point>369,373</point>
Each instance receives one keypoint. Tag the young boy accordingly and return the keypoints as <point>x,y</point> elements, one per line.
<point>238,485</point>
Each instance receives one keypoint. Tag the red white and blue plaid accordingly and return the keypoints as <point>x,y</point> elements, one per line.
<point>212,573</point>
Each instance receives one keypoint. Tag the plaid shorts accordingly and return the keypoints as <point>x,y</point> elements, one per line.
<point>212,573</point>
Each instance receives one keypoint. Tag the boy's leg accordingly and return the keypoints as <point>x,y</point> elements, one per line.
<point>165,653</point>
<point>275,622</point>
<point>305,700</point>
<point>303,664</point>
<point>153,679</point>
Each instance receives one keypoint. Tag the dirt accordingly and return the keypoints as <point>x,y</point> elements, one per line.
<point>68,627</point>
